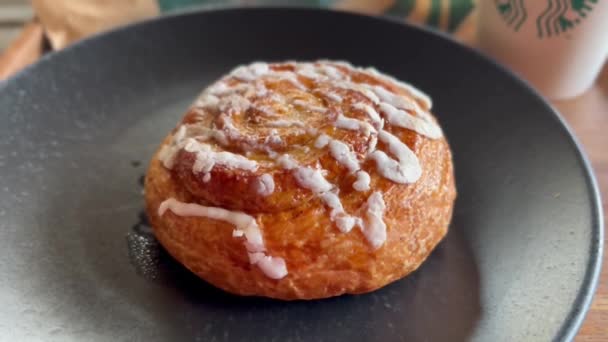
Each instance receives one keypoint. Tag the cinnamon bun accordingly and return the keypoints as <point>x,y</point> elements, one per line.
<point>303,180</point>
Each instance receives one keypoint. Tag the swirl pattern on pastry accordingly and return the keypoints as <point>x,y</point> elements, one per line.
<point>269,141</point>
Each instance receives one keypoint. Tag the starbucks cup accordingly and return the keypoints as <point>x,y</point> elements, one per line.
<point>559,46</point>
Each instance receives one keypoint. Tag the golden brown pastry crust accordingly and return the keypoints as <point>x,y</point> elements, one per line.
<point>321,260</point>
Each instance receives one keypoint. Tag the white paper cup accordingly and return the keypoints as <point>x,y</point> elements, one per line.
<point>559,46</point>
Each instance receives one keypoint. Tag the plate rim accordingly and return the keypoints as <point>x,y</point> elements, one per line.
<point>583,300</point>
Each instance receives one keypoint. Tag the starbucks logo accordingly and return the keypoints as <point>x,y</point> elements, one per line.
<point>513,12</point>
<point>559,16</point>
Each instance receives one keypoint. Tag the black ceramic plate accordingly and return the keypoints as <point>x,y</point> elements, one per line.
<point>77,131</point>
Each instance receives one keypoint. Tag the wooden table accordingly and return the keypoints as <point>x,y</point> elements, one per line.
<point>587,115</point>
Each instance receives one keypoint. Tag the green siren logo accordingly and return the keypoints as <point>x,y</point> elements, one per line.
<point>513,12</point>
<point>559,16</point>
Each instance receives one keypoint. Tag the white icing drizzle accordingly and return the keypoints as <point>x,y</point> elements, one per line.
<point>285,123</point>
<point>338,62</point>
<point>272,267</point>
<point>250,72</point>
<point>354,125</point>
<point>259,68</point>
<point>370,111</point>
<point>339,151</point>
<point>219,136</point>
<point>260,89</point>
<point>167,155</point>
<point>374,228</point>
<point>273,137</point>
<point>334,97</point>
<point>265,185</point>
<point>228,129</point>
<point>373,142</point>
<point>311,179</point>
<point>222,89</point>
<point>347,123</point>
<point>362,182</point>
<point>207,177</point>
<point>245,225</point>
<point>256,70</point>
<point>308,71</point>
<point>406,169</point>
<point>344,222</point>
<point>312,71</point>
<point>342,153</point>
<point>393,99</point>
<point>311,130</point>
<point>168,152</point>
<point>331,72</point>
<point>233,103</point>
<point>287,76</point>
<point>404,119</point>
<point>267,111</point>
<point>206,159</point>
<point>219,87</point>
<point>322,141</point>
<point>241,221</point>
<point>272,154</point>
<point>287,162</point>
<point>361,88</point>
<point>207,101</point>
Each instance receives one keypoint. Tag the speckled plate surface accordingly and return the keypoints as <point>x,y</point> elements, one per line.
<point>77,130</point>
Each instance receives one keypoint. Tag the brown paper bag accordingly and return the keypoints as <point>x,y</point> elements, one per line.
<point>66,21</point>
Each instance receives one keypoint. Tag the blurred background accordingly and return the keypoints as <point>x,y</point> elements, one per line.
<point>13,15</point>
<point>31,28</point>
